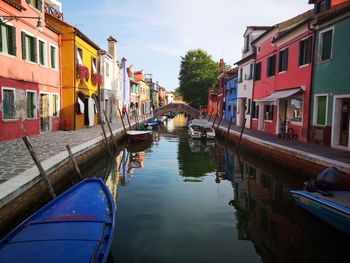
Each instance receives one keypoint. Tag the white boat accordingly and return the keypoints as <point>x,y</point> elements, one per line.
<point>201,129</point>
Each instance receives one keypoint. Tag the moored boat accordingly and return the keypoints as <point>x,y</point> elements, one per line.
<point>135,135</point>
<point>77,226</point>
<point>201,129</point>
<point>333,208</point>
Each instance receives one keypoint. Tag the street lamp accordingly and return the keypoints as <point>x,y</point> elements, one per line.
<point>10,18</point>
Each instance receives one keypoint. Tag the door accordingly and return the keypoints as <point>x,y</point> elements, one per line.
<point>44,112</point>
<point>344,122</point>
<point>282,115</point>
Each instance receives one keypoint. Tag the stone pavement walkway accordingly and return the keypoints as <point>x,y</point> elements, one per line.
<point>310,148</point>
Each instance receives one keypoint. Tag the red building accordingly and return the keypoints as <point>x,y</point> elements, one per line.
<point>221,93</point>
<point>283,71</point>
<point>212,102</point>
<point>29,71</point>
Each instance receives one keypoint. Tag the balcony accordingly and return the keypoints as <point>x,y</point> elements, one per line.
<point>53,12</point>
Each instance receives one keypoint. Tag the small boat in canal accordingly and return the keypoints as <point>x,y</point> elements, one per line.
<point>201,129</point>
<point>139,135</point>
<point>77,226</point>
<point>152,124</point>
<point>330,206</point>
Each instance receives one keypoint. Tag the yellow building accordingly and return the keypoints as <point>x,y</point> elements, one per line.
<point>79,76</point>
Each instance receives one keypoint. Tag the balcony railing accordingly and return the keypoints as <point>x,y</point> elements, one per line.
<point>53,12</point>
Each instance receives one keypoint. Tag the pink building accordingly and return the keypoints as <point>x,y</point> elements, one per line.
<point>283,71</point>
<point>29,72</point>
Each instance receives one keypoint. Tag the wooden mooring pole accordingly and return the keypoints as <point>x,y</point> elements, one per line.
<point>228,129</point>
<point>122,120</point>
<point>127,116</point>
<point>219,121</point>
<point>214,121</point>
<point>74,162</point>
<point>40,167</point>
<point>240,136</point>
<point>209,117</point>
<point>110,130</point>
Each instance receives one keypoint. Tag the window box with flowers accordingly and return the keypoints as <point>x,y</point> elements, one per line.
<point>82,72</point>
<point>96,79</point>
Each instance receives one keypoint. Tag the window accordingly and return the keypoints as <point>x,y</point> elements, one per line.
<point>240,75</point>
<point>93,65</point>
<point>31,104</point>
<point>249,105</point>
<point>79,56</point>
<point>257,71</point>
<point>246,43</point>
<point>295,109</point>
<point>8,104</point>
<point>107,69</point>
<point>325,45</point>
<point>29,48</point>
<point>320,110</point>
<point>55,105</point>
<point>35,3</point>
<point>322,6</point>
<point>53,57</point>
<point>268,110</point>
<point>271,66</point>
<point>7,39</point>
<point>41,52</point>
<point>283,60</point>
<point>250,76</point>
<point>255,110</point>
<point>305,51</point>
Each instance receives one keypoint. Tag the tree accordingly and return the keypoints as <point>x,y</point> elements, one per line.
<point>198,72</point>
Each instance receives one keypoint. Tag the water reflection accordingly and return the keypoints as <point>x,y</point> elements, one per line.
<point>201,199</point>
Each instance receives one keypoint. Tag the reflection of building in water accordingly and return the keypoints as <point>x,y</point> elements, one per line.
<point>263,214</point>
<point>114,176</point>
<point>198,146</point>
<point>136,161</point>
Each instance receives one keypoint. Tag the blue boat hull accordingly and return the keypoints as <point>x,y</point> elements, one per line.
<point>77,226</point>
<point>334,214</point>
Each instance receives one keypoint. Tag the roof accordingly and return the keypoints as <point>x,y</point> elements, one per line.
<point>111,39</point>
<point>256,28</point>
<point>247,58</point>
<point>16,4</point>
<point>76,31</point>
<point>333,13</point>
<point>287,24</point>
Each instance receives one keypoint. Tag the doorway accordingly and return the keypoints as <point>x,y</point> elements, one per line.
<point>344,123</point>
<point>44,112</point>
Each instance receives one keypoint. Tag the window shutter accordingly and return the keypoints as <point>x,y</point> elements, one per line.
<point>35,51</point>
<point>12,42</point>
<point>23,45</point>
<point>321,110</point>
<point>308,49</point>
<point>326,45</point>
<point>0,35</point>
<point>39,4</point>
<point>286,58</point>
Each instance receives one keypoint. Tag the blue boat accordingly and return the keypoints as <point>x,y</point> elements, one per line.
<point>332,207</point>
<point>77,226</point>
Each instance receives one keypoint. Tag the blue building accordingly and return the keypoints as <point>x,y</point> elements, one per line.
<point>231,86</point>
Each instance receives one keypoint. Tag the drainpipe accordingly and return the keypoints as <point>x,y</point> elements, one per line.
<point>74,77</point>
<point>311,80</point>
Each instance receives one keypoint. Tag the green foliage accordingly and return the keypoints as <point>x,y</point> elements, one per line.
<point>198,72</point>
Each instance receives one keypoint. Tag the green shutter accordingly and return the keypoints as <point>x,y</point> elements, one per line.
<point>308,50</point>
<point>35,51</point>
<point>39,4</point>
<point>321,110</point>
<point>12,40</point>
<point>0,35</point>
<point>23,35</point>
<point>326,45</point>
<point>286,59</point>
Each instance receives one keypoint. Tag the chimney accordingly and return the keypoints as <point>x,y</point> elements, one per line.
<point>222,65</point>
<point>112,47</point>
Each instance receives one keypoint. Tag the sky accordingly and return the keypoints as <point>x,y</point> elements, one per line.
<point>153,34</point>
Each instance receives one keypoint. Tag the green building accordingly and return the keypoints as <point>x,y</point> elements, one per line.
<point>331,77</point>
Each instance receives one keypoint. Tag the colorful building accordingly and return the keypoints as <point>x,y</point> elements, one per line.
<point>78,70</point>
<point>282,84</point>
<point>231,95</point>
<point>109,82</point>
<point>144,99</point>
<point>212,102</point>
<point>124,86</point>
<point>221,91</point>
<point>30,94</point>
<point>330,84</point>
<point>246,73</point>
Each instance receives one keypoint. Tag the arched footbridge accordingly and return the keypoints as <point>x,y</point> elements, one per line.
<point>176,107</point>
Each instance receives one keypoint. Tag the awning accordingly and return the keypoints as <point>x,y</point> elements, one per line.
<point>280,94</point>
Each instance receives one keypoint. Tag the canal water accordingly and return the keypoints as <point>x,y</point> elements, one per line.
<point>180,200</point>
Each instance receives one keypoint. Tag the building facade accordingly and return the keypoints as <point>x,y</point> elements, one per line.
<point>331,78</point>
<point>231,85</point>
<point>30,98</point>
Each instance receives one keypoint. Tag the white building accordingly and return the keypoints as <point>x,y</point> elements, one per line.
<point>246,75</point>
